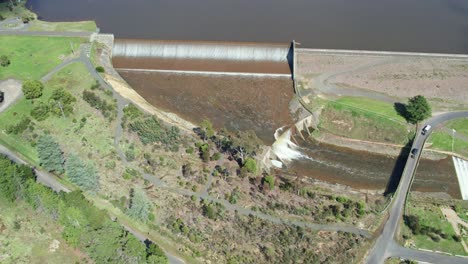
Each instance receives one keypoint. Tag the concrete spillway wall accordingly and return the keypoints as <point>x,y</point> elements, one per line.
<point>461,167</point>
<point>201,50</point>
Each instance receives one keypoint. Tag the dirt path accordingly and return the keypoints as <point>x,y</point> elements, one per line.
<point>453,218</point>
<point>12,90</point>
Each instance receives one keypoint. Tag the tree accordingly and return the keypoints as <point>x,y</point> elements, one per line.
<point>82,174</point>
<point>244,144</point>
<point>417,109</point>
<point>50,155</point>
<point>32,89</point>
<point>4,61</point>
<point>140,205</point>
<point>61,102</point>
<point>269,180</point>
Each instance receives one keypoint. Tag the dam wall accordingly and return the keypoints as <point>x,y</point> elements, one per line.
<point>197,56</point>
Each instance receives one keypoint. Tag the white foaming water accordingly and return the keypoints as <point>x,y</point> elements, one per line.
<point>284,148</point>
<point>201,50</point>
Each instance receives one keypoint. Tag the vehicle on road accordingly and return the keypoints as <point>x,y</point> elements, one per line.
<point>426,129</point>
<point>414,152</point>
<point>2,96</point>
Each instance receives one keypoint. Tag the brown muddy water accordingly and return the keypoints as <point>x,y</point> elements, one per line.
<point>364,170</point>
<point>235,102</point>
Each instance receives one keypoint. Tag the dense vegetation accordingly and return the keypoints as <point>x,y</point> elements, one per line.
<point>84,226</point>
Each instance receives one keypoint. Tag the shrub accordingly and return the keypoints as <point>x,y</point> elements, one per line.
<point>40,111</point>
<point>189,150</point>
<point>251,165</point>
<point>20,127</point>
<point>32,89</point>
<point>4,61</point>
<point>100,69</point>
<point>269,180</point>
<point>149,131</point>
<point>412,222</point>
<point>102,105</point>
<point>216,156</point>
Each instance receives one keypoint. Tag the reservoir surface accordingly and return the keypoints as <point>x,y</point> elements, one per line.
<point>439,26</point>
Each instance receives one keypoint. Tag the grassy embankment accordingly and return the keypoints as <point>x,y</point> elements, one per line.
<point>363,119</point>
<point>37,25</point>
<point>431,216</point>
<point>31,58</point>
<point>19,225</point>
<point>442,140</point>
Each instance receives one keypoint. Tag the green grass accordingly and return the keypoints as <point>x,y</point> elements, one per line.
<point>372,106</point>
<point>442,140</point>
<point>432,216</point>
<point>91,141</point>
<point>364,119</point>
<point>34,56</point>
<point>30,242</point>
<point>88,26</point>
<point>460,126</point>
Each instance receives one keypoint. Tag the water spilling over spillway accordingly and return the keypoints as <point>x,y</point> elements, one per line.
<point>284,149</point>
<point>202,56</point>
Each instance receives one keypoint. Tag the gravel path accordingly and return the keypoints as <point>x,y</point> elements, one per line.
<point>12,90</point>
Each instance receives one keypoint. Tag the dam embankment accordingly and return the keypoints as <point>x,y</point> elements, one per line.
<point>261,104</point>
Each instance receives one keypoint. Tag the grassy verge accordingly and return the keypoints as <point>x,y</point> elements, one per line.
<point>431,216</point>
<point>19,225</point>
<point>460,126</point>
<point>80,26</point>
<point>442,140</point>
<point>364,119</point>
<point>17,11</point>
<point>32,57</point>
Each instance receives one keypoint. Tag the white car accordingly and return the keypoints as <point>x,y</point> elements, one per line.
<point>426,129</point>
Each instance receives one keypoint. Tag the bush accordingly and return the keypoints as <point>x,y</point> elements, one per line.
<point>269,180</point>
<point>32,89</point>
<point>40,111</point>
<point>189,150</point>
<point>4,61</point>
<point>100,69</point>
<point>95,101</point>
<point>20,127</point>
<point>149,131</point>
<point>412,221</point>
<point>251,165</point>
<point>216,156</point>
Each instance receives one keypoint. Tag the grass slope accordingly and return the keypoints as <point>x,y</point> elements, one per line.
<point>95,136</point>
<point>34,56</point>
<point>442,140</point>
<point>364,119</point>
<point>25,236</point>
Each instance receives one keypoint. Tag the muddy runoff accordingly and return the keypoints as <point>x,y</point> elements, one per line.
<point>262,104</point>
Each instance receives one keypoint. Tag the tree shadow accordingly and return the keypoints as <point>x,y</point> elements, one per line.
<point>400,108</point>
<point>398,168</point>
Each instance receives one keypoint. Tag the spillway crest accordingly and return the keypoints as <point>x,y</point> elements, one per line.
<point>201,50</point>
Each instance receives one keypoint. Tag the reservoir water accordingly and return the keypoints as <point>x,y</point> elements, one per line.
<point>400,25</point>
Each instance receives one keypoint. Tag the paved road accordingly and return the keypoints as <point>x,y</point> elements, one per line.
<point>386,246</point>
<point>42,177</point>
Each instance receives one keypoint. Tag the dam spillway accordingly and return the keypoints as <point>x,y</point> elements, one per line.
<point>198,56</point>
